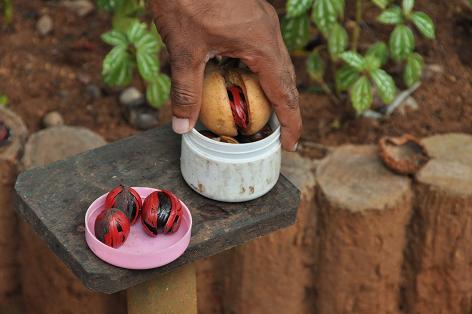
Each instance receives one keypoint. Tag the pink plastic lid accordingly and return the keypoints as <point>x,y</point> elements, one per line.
<point>139,251</point>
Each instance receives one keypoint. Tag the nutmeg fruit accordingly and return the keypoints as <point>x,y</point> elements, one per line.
<point>233,102</point>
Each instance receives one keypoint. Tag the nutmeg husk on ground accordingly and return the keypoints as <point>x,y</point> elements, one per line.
<point>216,113</point>
<point>404,154</point>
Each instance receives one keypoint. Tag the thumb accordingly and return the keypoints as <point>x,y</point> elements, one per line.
<point>186,95</point>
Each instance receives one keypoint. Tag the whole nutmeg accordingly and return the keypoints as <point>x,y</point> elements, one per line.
<point>162,213</point>
<point>112,227</point>
<point>233,102</point>
<point>125,199</point>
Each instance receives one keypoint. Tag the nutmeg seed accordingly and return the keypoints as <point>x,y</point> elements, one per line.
<point>233,102</point>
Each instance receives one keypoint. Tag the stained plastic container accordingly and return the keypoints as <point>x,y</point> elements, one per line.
<point>139,251</point>
<point>231,172</point>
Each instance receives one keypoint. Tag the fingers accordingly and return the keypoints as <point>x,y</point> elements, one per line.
<point>277,79</point>
<point>187,71</point>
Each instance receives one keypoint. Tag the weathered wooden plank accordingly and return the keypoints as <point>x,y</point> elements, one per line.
<point>54,200</point>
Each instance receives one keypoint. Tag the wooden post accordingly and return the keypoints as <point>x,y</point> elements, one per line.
<point>9,241</point>
<point>48,285</point>
<point>439,259</point>
<point>275,273</point>
<point>170,293</point>
<point>363,213</point>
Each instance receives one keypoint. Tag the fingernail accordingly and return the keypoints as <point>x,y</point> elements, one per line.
<point>180,126</point>
<point>294,149</point>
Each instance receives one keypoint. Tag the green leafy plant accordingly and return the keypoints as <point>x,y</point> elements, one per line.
<point>3,100</point>
<point>135,46</point>
<point>7,6</point>
<point>361,75</point>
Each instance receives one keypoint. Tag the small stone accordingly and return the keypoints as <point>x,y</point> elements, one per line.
<point>83,78</point>
<point>143,117</point>
<point>80,7</point>
<point>44,25</point>
<point>93,91</point>
<point>131,97</point>
<point>53,119</point>
<point>409,103</point>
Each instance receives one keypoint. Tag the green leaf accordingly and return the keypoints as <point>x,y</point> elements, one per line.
<point>339,6</point>
<point>392,15</point>
<point>156,34</point>
<point>315,66</point>
<point>115,38</point>
<point>424,24</point>
<point>353,59</point>
<point>345,77</point>
<point>361,94</point>
<point>108,5</point>
<point>148,42</point>
<point>381,3</point>
<point>337,40</point>
<point>158,91</point>
<point>402,42</point>
<point>385,85</point>
<point>371,63</point>
<point>295,32</point>
<point>298,7</point>
<point>126,13</point>
<point>3,100</point>
<point>148,65</point>
<point>117,67</point>
<point>413,69</point>
<point>407,6</point>
<point>378,50</point>
<point>135,31</point>
<point>324,15</point>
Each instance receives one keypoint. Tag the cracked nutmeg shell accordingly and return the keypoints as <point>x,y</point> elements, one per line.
<point>161,213</point>
<point>233,102</point>
<point>404,154</point>
<point>112,227</point>
<point>125,199</point>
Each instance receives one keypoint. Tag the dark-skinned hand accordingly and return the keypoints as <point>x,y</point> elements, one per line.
<point>196,30</point>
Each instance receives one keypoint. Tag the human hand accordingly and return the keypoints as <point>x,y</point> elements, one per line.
<point>195,31</point>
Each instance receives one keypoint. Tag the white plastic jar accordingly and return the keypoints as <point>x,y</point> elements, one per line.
<point>231,172</point>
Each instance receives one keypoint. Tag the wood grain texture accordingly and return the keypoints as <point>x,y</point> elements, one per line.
<point>439,257</point>
<point>363,213</point>
<point>54,199</point>
<point>170,293</point>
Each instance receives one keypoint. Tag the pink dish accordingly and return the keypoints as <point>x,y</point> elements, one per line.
<point>139,251</point>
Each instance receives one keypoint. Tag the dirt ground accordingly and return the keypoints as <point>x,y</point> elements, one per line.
<point>44,73</point>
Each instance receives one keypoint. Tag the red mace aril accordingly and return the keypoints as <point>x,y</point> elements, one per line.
<point>161,213</point>
<point>127,200</point>
<point>4,133</point>
<point>238,106</point>
<point>112,227</point>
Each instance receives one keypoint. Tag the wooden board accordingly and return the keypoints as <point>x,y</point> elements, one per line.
<point>54,199</point>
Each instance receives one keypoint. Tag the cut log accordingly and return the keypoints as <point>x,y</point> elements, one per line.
<point>47,284</point>
<point>363,213</point>
<point>9,154</point>
<point>439,259</point>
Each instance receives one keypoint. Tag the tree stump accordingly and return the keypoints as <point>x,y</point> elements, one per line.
<point>272,274</point>
<point>48,285</point>
<point>363,213</point>
<point>9,241</point>
<point>440,255</point>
